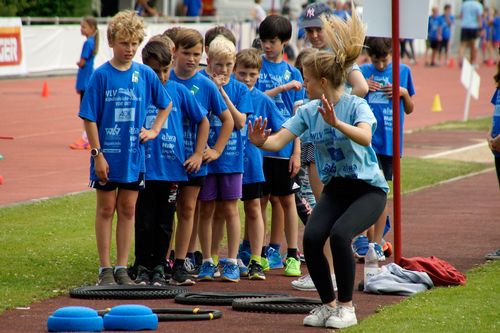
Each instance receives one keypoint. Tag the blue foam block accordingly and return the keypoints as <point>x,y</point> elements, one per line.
<point>130,317</point>
<point>75,319</point>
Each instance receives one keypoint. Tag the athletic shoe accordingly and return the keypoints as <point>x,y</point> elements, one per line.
<point>264,262</point>
<point>342,318</point>
<point>319,316</point>
<point>207,271</point>
<point>387,248</point>
<point>143,276</point>
<point>121,277</point>
<point>274,257</point>
<point>292,267</point>
<point>80,144</point>
<point>106,278</point>
<point>180,277</point>
<point>192,268</point>
<point>379,252</point>
<point>243,268</point>
<point>230,272</point>
<point>360,246</point>
<point>255,271</point>
<point>305,283</point>
<point>495,255</point>
<point>158,278</point>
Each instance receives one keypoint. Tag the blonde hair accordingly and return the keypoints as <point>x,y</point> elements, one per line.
<point>221,47</point>
<point>249,58</point>
<point>126,25</point>
<point>345,40</point>
<point>92,22</point>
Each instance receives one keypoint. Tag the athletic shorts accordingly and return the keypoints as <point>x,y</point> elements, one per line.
<point>434,44</point>
<point>195,181</point>
<point>252,191</point>
<point>444,45</point>
<point>278,181</point>
<point>385,164</point>
<point>111,186</point>
<point>222,186</point>
<point>468,34</point>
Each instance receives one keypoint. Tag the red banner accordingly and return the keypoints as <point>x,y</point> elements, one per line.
<point>10,46</point>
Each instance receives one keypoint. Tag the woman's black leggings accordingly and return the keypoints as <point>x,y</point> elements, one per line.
<point>346,208</point>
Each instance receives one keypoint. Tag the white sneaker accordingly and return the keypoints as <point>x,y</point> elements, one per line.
<point>319,316</point>
<point>305,283</point>
<point>342,318</point>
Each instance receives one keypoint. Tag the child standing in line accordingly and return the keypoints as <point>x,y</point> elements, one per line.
<point>114,111</point>
<point>224,178</point>
<point>448,20</point>
<point>165,159</point>
<point>88,28</point>
<point>283,83</point>
<point>494,133</point>
<point>379,77</point>
<point>355,193</point>
<point>187,56</point>
<point>246,70</point>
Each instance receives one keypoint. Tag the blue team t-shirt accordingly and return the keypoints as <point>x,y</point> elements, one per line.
<point>117,102</point>
<point>166,154</point>
<point>271,76</point>
<point>435,22</point>
<point>263,106</point>
<point>495,128</point>
<point>193,7</point>
<point>382,106</point>
<point>335,154</point>
<point>208,97</point>
<point>231,159</point>
<point>84,73</point>
<point>496,29</point>
<point>446,28</point>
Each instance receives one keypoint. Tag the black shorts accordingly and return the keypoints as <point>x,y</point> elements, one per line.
<point>278,181</point>
<point>468,34</point>
<point>111,186</point>
<point>434,44</point>
<point>444,45</point>
<point>252,191</point>
<point>385,164</point>
<point>195,181</point>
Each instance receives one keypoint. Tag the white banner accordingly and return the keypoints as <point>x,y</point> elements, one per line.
<point>12,52</point>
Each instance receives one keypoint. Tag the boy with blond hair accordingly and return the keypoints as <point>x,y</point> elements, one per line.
<point>114,111</point>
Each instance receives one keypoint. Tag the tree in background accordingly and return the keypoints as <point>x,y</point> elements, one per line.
<point>45,8</point>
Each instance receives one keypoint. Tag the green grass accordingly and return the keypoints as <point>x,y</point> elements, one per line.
<point>478,124</point>
<point>471,308</point>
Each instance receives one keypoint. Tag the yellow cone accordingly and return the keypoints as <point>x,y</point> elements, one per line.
<point>436,104</point>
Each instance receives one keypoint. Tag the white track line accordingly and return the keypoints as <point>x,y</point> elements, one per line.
<point>458,150</point>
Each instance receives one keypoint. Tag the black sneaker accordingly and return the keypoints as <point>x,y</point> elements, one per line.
<point>181,277</point>
<point>121,277</point>
<point>106,278</point>
<point>143,276</point>
<point>255,271</point>
<point>158,278</point>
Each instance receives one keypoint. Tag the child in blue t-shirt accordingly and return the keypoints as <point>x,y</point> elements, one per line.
<point>494,134</point>
<point>88,28</point>
<point>252,252</point>
<point>223,182</point>
<point>447,20</point>
<point>283,83</point>
<point>165,159</point>
<point>434,35</point>
<point>355,193</point>
<point>187,55</point>
<point>114,111</point>
<point>379,77</point>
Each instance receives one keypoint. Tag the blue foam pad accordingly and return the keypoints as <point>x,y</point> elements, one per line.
<point>75,319</point>
<point>130,317</point>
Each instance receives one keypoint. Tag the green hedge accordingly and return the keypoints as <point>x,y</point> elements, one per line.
<point>45,8</point>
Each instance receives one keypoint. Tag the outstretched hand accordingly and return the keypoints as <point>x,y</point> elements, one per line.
<point>327,112</point>
<point>257,134</point>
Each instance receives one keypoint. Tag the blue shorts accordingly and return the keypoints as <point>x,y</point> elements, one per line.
<point>222,186</point>
<point>111,186</point>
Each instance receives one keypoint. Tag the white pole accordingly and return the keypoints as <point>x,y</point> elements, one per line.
<point>468,96</point>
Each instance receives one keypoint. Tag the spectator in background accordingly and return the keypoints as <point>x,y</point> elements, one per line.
<point>447,24</point>
<point>434,36</point>
<point>470,15</point>
<point>258,14</point>
<point>339,10</point>
<point>192,7</point>
<point>146,8</point>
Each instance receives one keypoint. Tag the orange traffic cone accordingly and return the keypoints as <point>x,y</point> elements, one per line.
<point>45,89</point>
<point>451,63</point>
<point>436,104</point>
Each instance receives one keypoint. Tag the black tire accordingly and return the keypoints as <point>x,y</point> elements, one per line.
<point>276,304</point>
<point>212,298</point>
<point>176,314</point>
<point>126,292</point>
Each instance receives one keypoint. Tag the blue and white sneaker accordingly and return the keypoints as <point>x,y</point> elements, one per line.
<point>207,271</point>
<point>360,246</point>
<point>379,252</point>
<point>274,257</point>
<point>243,268</point>
<point>230,272</point>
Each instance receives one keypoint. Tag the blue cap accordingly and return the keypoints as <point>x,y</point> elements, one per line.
<point>311,15</point>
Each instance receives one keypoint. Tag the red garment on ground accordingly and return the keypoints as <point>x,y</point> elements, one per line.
<point>441,272</point>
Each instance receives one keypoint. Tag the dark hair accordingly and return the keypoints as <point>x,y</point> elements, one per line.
<point>216,31</point>
<point>188,38</point>
<point>157,50</point>
<point>275,26</point>
<point>172,33</point>
<point>378,47</point>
